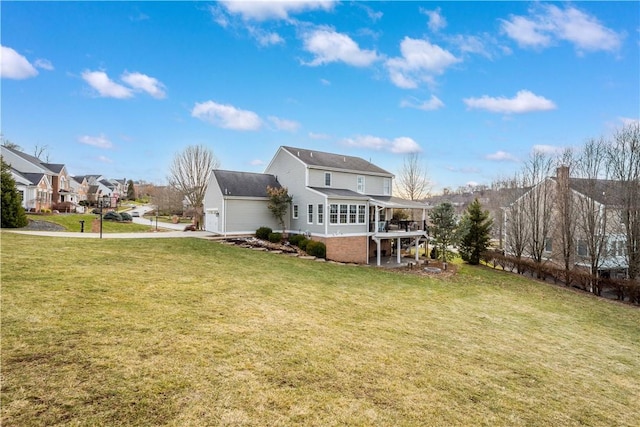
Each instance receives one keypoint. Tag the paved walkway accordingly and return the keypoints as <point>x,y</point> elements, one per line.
<point>141,235</point>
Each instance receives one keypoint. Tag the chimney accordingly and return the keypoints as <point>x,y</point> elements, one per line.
<point>562,175</point>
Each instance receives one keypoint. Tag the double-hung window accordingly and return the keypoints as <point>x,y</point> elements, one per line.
<point>294,212</point>
<point>309,214</point>
<point>386,186</point>
<point>327,179</point>
<point>360,184</point>
<point>320,213</point>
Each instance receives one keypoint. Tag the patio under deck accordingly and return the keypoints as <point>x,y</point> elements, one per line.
<point>414,236</point>
<point>392,261</point>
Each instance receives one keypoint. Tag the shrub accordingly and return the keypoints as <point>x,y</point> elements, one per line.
<point>263,233</point>
<point>125,216</point>
<point>275,237</point>
<point>295,239</point>
<point>317,249</point>
<point>112,216</point>
<point>302,244</point>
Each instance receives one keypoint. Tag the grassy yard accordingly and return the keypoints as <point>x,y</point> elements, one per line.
<point>202,333</point>
<point>71,222</point>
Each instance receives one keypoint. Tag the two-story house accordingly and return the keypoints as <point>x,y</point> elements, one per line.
<point>583,216</point>
<point>41,185</point>
<point>344,201</point>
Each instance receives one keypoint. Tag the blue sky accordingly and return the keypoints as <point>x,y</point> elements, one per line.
<point>118,88</point>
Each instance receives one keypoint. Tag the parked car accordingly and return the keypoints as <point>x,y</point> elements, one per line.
<point>135,214</point>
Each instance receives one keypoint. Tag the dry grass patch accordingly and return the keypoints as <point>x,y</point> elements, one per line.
<point>208,334</point>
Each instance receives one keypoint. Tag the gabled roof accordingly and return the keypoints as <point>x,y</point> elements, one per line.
<point>324,160</point>
<point>603,191</point>
<point>53,167</point>
<point>244,184</point>
<point>34,178</point>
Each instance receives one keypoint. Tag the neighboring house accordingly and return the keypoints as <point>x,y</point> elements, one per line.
<point>343,201</point>
<point>51,192</point>
<point>602,198</point>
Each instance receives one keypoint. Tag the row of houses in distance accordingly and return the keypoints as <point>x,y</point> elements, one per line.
<point>49,186</point>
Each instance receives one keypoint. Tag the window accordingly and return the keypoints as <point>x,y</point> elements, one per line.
<point>353,211</point>
<point>548,244</point>
<point>386,187</point>
<point>582,249</point>
<point>320,213</point>
<point>309,214</point>
<point>294,213</point>
<point>343,213</point>
<point>327,179</point>
<point>360,188</point>
<point>333,214</point>
<point>361,214</point>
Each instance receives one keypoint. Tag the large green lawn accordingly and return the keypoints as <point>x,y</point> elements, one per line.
<point>188,332</point>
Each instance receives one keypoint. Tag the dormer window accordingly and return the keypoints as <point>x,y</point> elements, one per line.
<point>327,179</point>
<point>360,186</point>
<point>386,187</point>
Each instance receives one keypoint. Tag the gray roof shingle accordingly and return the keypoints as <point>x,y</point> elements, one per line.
<point>335,161</point>
<point>244,184</point>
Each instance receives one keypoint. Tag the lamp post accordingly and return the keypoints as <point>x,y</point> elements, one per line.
<point>103,202</point>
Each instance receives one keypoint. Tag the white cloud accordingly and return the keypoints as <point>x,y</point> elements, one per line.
<point>256,162</point>
<point>436,20</point>
<point>105,86</point>
<point>501,156</point>
<point>142,82</point>
<point>524,102</point>
<point>400,145</point>
<point>226,116</point>
<point>314,135</point>
<point>546,149</point>
<point>547,23</point>
<point>282,124</point>
<point>100,141</point>
<point>104,159</point>
<point>325,82</point>
<point>404,145</point>
<point>265,38</point>
<point>627,121</point>
<point>329,46</point>
<point>433,103</point>
<point>15,66</point>
<point>419,62</point>
<point>44,64</point>
<point>262,10</point>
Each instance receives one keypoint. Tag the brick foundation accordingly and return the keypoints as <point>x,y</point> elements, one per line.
<point>346,249</point>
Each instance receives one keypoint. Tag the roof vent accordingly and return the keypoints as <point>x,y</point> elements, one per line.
<point>311,153</point>
<point>345,159</point>
<point>298,154</point>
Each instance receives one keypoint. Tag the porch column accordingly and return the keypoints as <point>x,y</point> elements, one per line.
<point>377,250</point>
<point>398,250</point>
<point>417,248</point>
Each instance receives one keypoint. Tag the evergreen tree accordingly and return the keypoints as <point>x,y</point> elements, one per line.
<point>443,228</point>
<point>131,190</point>
<point>11,210</point>
<point>474,233</point>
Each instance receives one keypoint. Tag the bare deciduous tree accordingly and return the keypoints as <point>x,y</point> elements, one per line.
<point>190,174</point>
<point>41,152</point>
<point>516,229</point>
<point>538,203</point>
<point>591,211</point>
<point>624,166</point>
<point>413,182</point>
<point>566,211</point>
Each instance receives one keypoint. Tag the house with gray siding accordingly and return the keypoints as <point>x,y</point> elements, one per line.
<point>344,201</point>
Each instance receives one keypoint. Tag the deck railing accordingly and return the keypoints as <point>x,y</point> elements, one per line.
<point>393,225</point>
